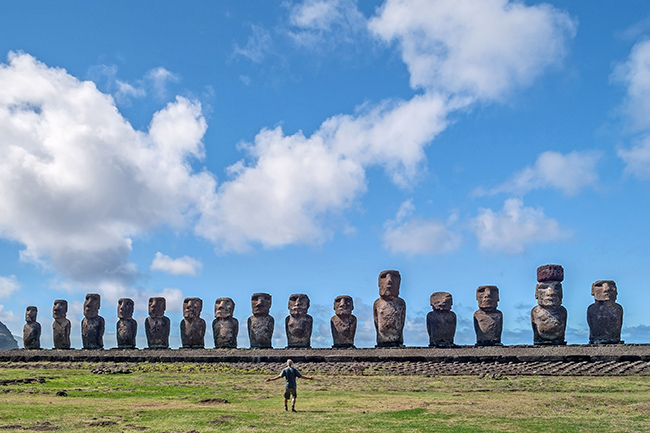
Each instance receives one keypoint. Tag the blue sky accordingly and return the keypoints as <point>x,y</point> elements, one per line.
<point>224,148</point>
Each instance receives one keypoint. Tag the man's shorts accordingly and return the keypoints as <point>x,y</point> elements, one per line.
<point>289,392</point>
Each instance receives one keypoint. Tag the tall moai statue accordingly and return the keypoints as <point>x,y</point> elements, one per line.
<point>157,326</point>
<point>192,325</point>
<point>127,327</point>
<point>488,321</point>
<point>343,323</point>
<point>92,325</point>
<point>224,326</point>
<point>61,325</point>
<point>605,316</point>
<point>31,329</point>
<point>548,317</point>
<point>389,311</point>
<point>261,323</point>
<point>298,324</point>
<point>441,321</point>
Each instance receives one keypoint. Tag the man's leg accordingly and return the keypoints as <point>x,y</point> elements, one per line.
<point>293,404</point>
<point>285,404</point>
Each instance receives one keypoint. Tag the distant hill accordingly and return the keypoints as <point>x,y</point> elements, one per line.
<point>7,341</point>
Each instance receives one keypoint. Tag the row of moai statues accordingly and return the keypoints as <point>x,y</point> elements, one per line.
<point>548,318</point>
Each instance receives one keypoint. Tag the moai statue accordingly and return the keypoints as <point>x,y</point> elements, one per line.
<point>389,311</point>
<point>92,325</point>
<point>441,322</point>
<point>548,317</point>
<point>224,327</point>
<point>157,326</point>
<point>261,324</point>
<point>31,329</point>
<point>127,327</point>
<point>61,325</point>
<point>343,323</point>
<point>604,316</point>
<point>488,321</point>
<point>192,325</point>
<point>298,324</point>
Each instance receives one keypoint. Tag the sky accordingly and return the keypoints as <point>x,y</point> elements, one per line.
<point>218,149</point>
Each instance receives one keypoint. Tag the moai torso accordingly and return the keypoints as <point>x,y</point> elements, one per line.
<point>298,324</point>
<point>389,311</point>
<point>92,325</point>
<point>224,326</point>
<point>157,326</point>
<point>488,321</point>
<point>344,323</point>
<point>548,318</point>
<point>61,325</point>
<point>261,324</point>
<point>31,330</point>
<point>441,321</point>
<point>127,327</point>
<point>192,325</point>
<point>605,316</point>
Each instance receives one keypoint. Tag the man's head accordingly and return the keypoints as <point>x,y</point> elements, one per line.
<point>60,309</point>
<point>289,363</point>
<point>343,305</point>
<point>487,297</point>
<point>223,308</point>
<point>261,304</point>
<point>125,308</point>
<point>30,314</point>
<point>389,282</point>
<point>192,308</point>
<point>549,294</point>
<point>157,307</point>
<point>91,305</point>
<point>441,301</point>
<point>604,290</point>
<point>298,304</point>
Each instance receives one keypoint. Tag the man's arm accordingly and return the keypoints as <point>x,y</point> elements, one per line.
<point>307,377</point>
<point>273,378</point>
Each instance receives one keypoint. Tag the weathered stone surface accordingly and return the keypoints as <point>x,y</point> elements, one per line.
<point>441,321</point>
<point>192,325</point>
<point>157,326</point>
<point>605,316</point>
<point>224,326</point>
<point>31,329</point>
<point>92,325</point>
<point>548,318</point>
<point>7,341</point>
<point>298,324</point>
<point>261,324</point>
<point>389,311</point>
<point>488,321</point>
<point>61,325</point>
<point>550,273</point>
<point>127,327</point>
<point>343,323</point>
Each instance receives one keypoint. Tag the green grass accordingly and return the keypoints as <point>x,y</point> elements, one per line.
<point>167,398</point>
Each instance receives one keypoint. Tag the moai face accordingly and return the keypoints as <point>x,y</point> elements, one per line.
<point>261,304</point>
<point>30,314</point>
<point>343,305</point>
<point>60,309</point>
<point>604,290</point>
<point>298,304</point>
<point>192,308</point>
<point>549,294</point>
<point>441,301</point>
<point>223,308</point>
<point>157,307</point>
<point>389,282</point>
<point>125,308</point>
<point>487,297</point>
<point>91,305</point>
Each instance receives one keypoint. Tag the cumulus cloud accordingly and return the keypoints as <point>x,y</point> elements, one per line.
<point>569,173</point>
<point>315,21</point>
<point>412,235</point>
<point>514,227</point>
<point>8,285</point>
<point>182,266</point>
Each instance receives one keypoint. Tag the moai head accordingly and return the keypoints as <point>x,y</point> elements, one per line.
<point>157,307</point>
<point>91,305</point>
<point>60,309</point>
<point>549,294</point>
<point>192,308</point>
<point>441,301</point>
<point>30,314</point>
<point>389,282</point>
<point>487,297</point>
<point>223,308</point>
<point>343,305</point>
<point>125,308</point>
<point>261,304</point>
<point>604,290</point>
<point>298,304</point>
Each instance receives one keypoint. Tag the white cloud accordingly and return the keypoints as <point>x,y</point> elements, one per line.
<point>8,285</point>
<point>413,235</point>
<point>635,74</point>
<point>637,159</point>
<point>159,78</point>
<point>182,266</point>
<point>7,316</point>
<point>334,21</point>
<point>126,91</point>
<point>569,173</point>
<point>516,226</point>
<point>258,45</point>
<point>482,49</point>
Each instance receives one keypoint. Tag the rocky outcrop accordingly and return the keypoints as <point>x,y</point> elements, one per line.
<point>7,340</point>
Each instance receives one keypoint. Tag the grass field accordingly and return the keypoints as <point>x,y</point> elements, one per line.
<point>187,398</point>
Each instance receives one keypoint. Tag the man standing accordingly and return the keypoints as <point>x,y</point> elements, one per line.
<point>290,373</point>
